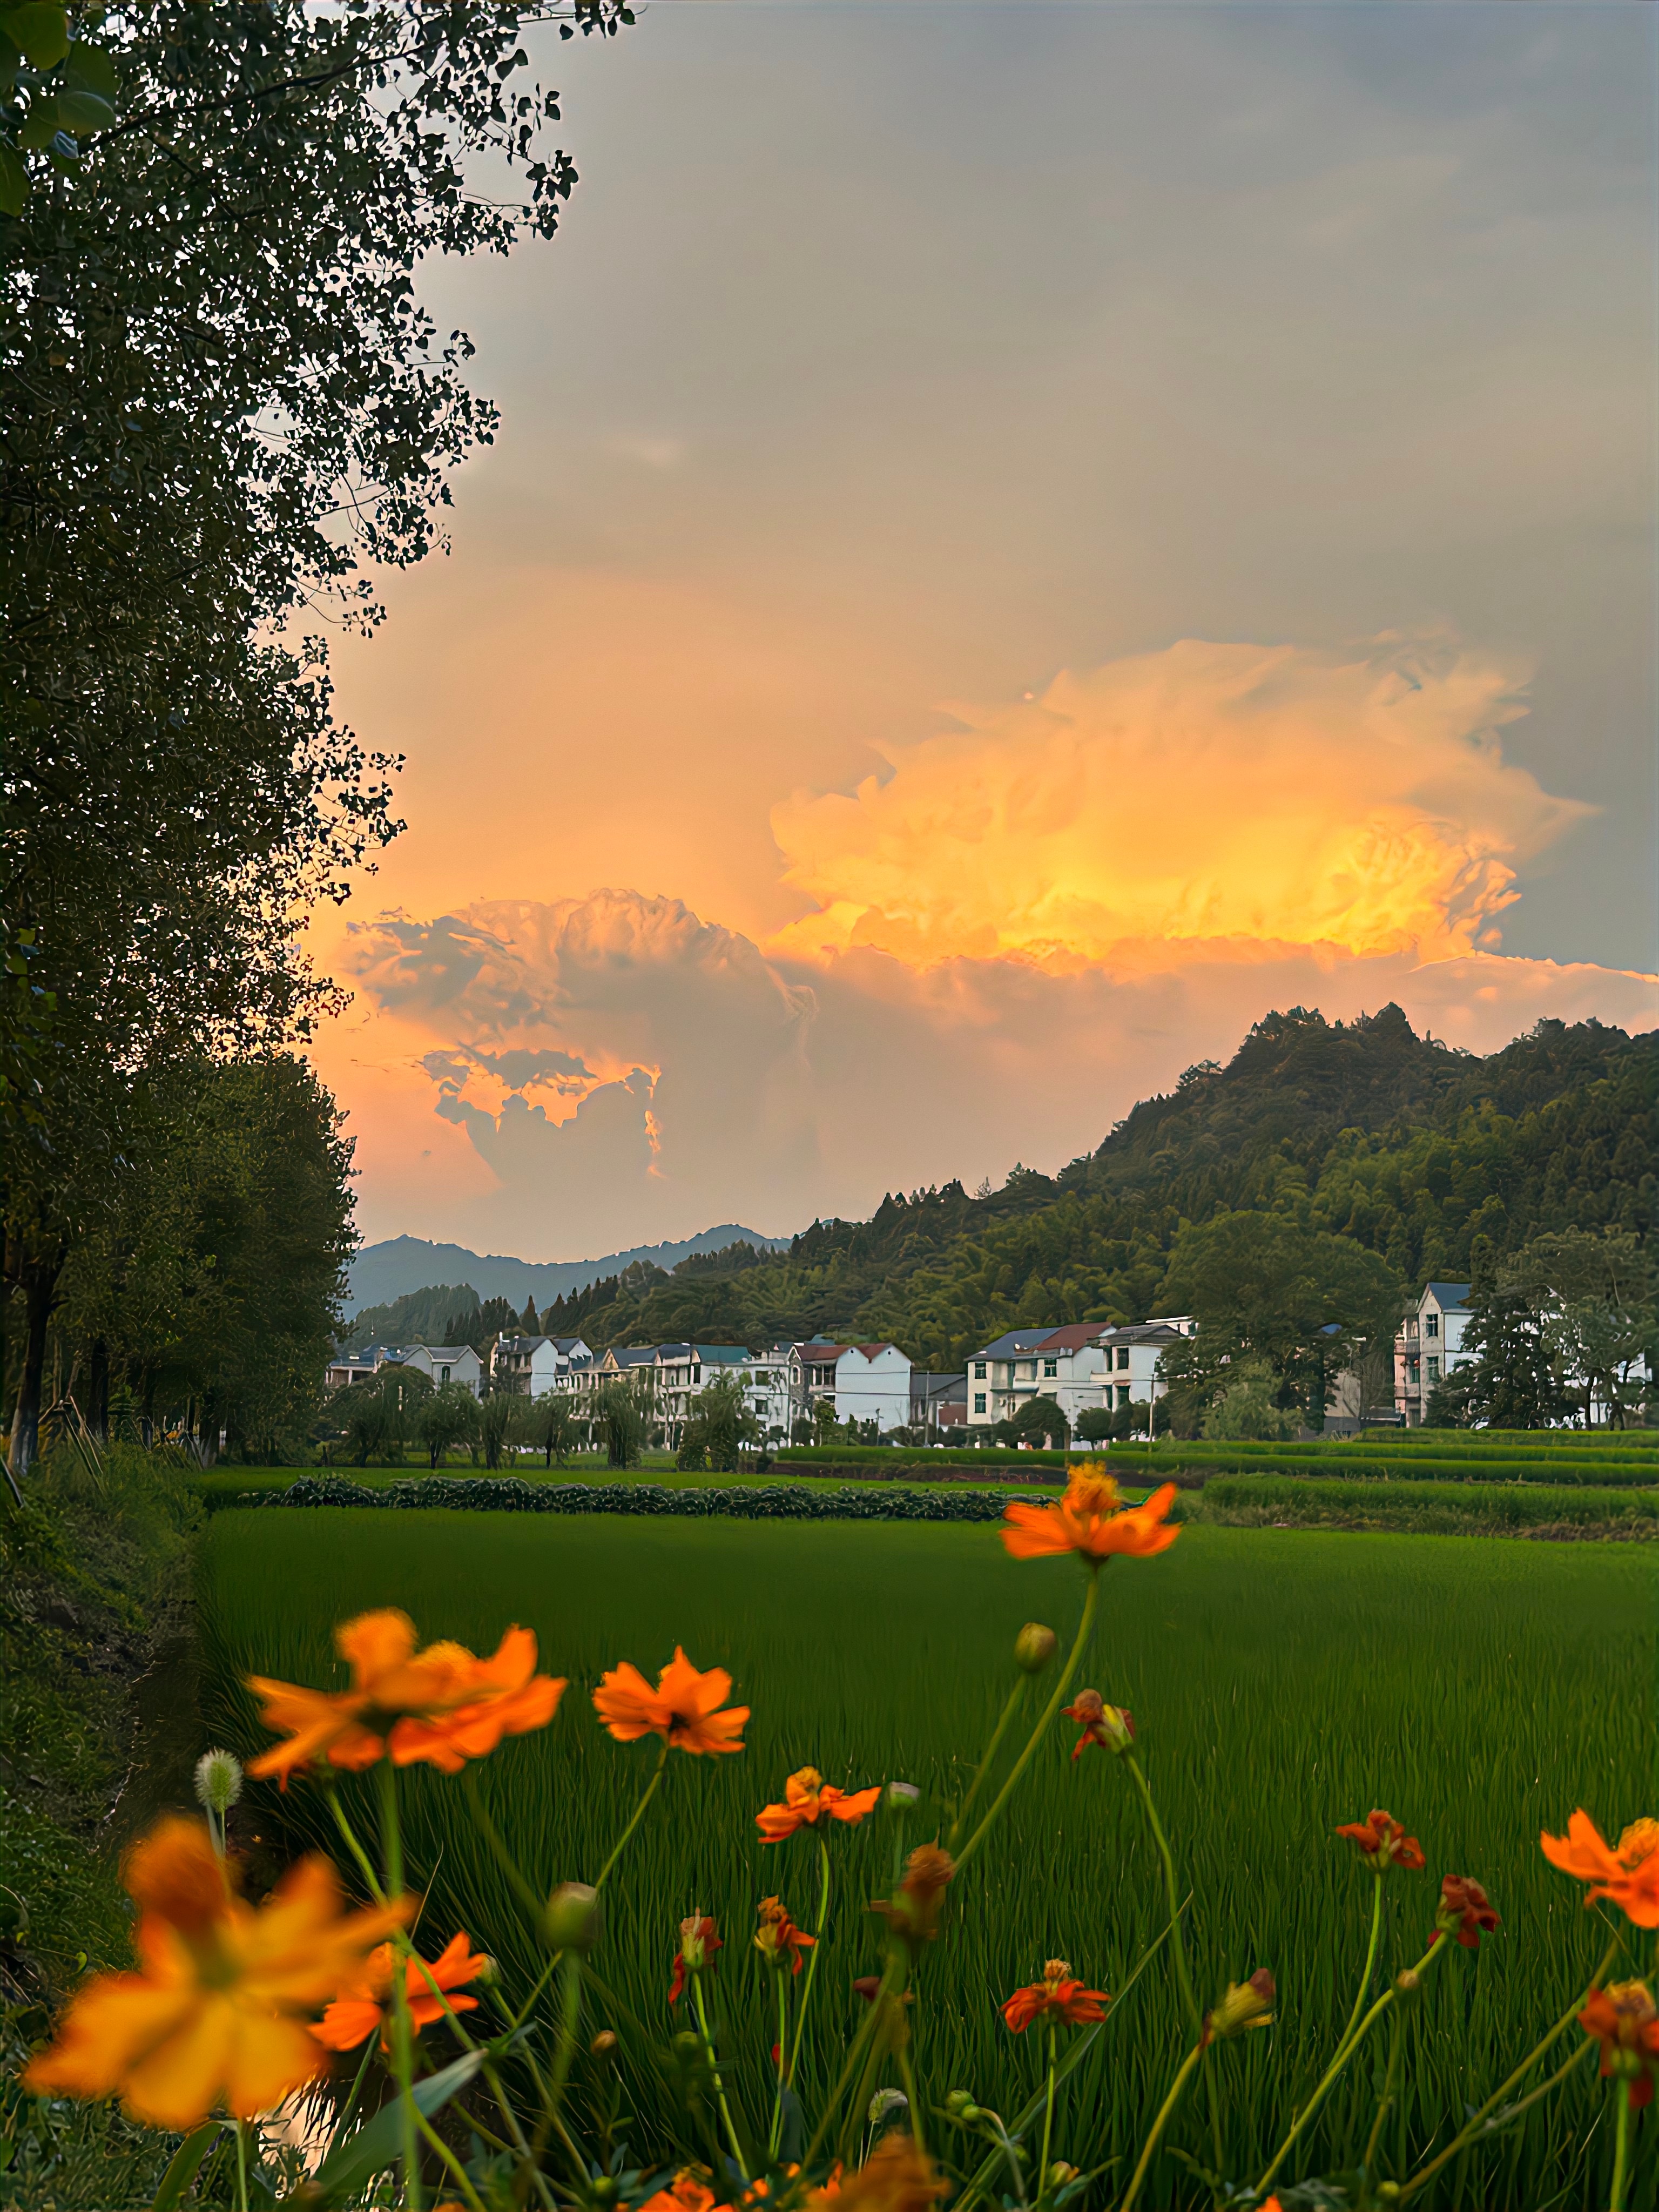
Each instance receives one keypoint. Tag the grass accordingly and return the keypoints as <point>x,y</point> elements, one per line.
<point>1281,1683</point>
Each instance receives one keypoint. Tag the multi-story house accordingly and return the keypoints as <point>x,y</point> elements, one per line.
<point>938,1401</point>
<point>1430,1346</point>
<point>864,1382</point>
<point>533,1365</point>
<point>1085,1367</point>
<point>682,1370</point>
<point>447,1363</point>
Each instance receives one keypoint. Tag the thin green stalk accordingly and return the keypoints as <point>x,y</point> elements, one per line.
<point>1476,2120</point>
<point>463,2178</point>
<point>854,2055</point>
<point>1370,1958</point>
<point>775,2134</point>
<point>812,1965</point>
<point>534,1905</point>
<point>1048,2115</point>
<point>1164,2109</point>
<point>1177,1947</point>
<point>908,2073</point>
<point>366,1865</point>
<point>241,2166</point>
<point>1621,2145</point>
<point>1343,2054</point>
<point>1043,1724</point>
<point>402,2047</point>
<point>650,1791</point>
<point>1385,2102</point>
<point>985,1763</point>
<point>719,2086</point>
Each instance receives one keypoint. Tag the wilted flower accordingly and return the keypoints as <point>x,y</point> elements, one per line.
<point>1059,1995</point>
<point>1627,1874</point>
<point>1463,1911</point>
<point>911,1911</point>
<point>1033,1647</point>
<point>1382,1843</point>
<point>1622,2019</point>
<point>682,1709</point>
<point>895,2178</point>
<point>806,1796</point>
<point>1091,1520</point>
<point>362,2003</point>
<point>777,1939</point>
<point>699,1941</point>
<point>1246,2005</point>
<point>1111,1726</point>
<point>219,2009</point>
<point>441,1705</point>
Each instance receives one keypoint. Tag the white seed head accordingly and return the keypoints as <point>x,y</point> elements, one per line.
<point>900,1794</point>
<point>218,1781</point>
<point>887,2104</point>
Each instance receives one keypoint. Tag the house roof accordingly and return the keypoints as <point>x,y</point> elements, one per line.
<point>1142,1332</point>
<point>565,1344</point>
<point>523,1343</point>
<point>1446,1294</point>
<point>1074,1336</point>
<point>723,1355</point>
<point>1013,1341</point>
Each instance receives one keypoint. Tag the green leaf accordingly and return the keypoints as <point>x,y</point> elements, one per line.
<point>13,180</point>
<point>91,69</point>
<point>345,2170</point>
<point>84,110</point>
<point>184,2167</point>
<point>39,31</point>
<point>41,126</point>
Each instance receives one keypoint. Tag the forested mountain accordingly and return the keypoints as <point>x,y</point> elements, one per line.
<point>1420,1153</point>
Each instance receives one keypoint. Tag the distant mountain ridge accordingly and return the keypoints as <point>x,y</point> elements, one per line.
<point>398,1265</point>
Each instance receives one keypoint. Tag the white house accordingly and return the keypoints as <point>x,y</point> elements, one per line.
<point>446,1363</point>
<point>1430,1346</point>
<point>683,1370</point>
<point>533,1365</point>
<point>864,1382</point>
<point>1084,1366</point>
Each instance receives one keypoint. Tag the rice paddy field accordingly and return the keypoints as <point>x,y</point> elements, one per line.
<point>1282,1681</point>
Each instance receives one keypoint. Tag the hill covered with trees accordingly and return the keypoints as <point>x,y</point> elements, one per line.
<point>1433,1159</point>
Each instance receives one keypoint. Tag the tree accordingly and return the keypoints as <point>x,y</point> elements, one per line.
<point>1510,1383</point>
<point>619,1424</point>
<point>1259,1284</point>
<point>719,1425</point>
<point>1039,1423</point>
<point>528,1324</point>
<point>550,1425</point>
<point>449,1416</point>
<point>1096,1424</point>
<point>1248,1406</point>
<point>823,1420</point>
<point>1596,1295</point>
<point>220,398</point>
<point>496,1417</point>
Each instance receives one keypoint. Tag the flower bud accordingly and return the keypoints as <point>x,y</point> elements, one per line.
<point>1246,2005</point>
<point>1060,2173</point>
<point>1407,1983</point>
<point>489,1974</point>
<point>959,2103</point>
<point>886,2105</point>
<point>687,2044</point>
<point>901,1796</point>
<point>1033,1647</point>
<point>574,1917</point>
<point>603,2043</point>
<point>218,1781</point>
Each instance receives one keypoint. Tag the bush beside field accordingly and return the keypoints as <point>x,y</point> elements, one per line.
<point>1193,1464</point>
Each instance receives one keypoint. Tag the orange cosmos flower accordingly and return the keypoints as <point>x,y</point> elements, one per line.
<point>895,2178</point>
<point>1463,1911</point>
<point>699,1941</point>
<point>1621,2017</point>
<point>805,1796</point>
<point>363,2004</point>
<point>1089,1521</point>
<point>440,1704</point>
<point>1059,1995</point>
<point>685,2193</point>
<point>777,1939</point>
<point>681,1709</point>
<point>1382,1843</point>
<point>218,2013</point>
<point>1626,1873</point>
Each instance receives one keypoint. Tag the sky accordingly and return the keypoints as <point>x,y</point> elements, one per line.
<point>1020,539</point>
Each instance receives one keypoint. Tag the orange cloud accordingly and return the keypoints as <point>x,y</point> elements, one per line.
<point>1240,798</point>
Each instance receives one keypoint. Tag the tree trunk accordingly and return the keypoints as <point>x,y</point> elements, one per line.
<point>98,1391</point>
<point>37,1280</point>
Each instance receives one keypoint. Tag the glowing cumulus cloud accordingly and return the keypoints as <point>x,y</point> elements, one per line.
<point>1241,798</point>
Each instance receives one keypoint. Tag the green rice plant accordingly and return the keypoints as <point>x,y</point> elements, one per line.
<point>1441,1509</point>
<point>1281,1684</point>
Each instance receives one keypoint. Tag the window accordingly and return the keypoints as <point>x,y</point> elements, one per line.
<point>443,1375</point>
<point>979,1374</point>
<point>1434,1368</point>
<point>1051,1367</point>
<point>1430,1324</point>
<point>1413,1370</point>
<point>1123,1393</point>
<point>978,1401</point>
<point>1122,1357</point>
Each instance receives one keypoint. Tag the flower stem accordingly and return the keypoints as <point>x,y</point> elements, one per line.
<point>1344,2053</point>
<point>1047,2117</point>
<point>1044,1722</point>
<point>1621,2145</point>
<point>241,2166</point>
<point>403,2049</point>
<point>1164,2109</point>
<point>812,1965</point>
<point>649,1792</point>
<point>449,2158</point>
<point>891,1978</point>
<point>1370,1958</point>
<point>1477,2120</point>
<point>984,1766</point>
<point>1178,1948</point>
<point>776,2134</point>
<point>492,1835</point>
<point>1385,2102</point>
<point>708,2045</point>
